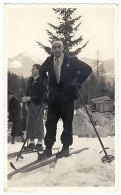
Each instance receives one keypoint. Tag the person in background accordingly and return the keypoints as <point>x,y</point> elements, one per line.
<point>33,98</point>
<point>15,116</point>
<point>62,75</point>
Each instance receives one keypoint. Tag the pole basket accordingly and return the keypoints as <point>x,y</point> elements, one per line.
<point>107,158</point>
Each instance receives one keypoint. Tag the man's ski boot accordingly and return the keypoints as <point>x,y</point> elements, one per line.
<point>46,154</point>
<point>63,153</point>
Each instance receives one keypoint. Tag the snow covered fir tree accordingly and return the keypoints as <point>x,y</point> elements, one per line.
<point>66,32</point>
<point>68,26</point>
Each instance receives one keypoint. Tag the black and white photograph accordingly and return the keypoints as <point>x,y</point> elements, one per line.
<point>61,103</point>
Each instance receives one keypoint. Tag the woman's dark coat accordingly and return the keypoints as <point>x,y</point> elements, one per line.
<point>35,90</point>
<point>15,116</point>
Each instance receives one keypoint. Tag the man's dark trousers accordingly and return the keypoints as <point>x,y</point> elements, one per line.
<point>63,110</point>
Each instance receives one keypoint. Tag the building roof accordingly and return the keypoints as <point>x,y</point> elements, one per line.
<point>101,99</point>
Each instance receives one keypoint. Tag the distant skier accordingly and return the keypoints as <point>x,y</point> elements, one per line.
<point>62,71</point>
<point>15,116</point>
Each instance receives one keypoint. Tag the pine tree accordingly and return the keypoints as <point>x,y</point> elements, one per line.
<point>66,31</point>
<point>15,83</point>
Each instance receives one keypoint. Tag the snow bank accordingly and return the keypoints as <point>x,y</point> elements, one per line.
<point>104,123</point>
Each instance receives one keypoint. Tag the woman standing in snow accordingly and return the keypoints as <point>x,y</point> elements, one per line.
<point>34,124</point>
<point>15,116</point>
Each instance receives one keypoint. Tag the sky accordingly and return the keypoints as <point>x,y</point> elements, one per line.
<point>26,24</point>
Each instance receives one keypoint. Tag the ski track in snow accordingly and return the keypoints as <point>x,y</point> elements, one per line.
<point>79,170</point>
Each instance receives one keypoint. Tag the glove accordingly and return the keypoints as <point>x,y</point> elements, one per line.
<point>74,83</point>
<point>26,99</point>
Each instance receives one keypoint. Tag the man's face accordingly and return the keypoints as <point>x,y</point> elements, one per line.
<point>35,71</point>
<point>57,49</point>
<point>10,96</point>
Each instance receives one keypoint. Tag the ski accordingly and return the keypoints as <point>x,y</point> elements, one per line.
<point>14,154</point>
<point>39,163</point>
<point>25,166</point>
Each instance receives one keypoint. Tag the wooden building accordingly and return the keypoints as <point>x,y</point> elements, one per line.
<point>103,104</point>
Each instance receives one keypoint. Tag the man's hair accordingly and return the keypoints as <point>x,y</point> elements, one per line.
<point>57,40</point>
<point>38,66</point>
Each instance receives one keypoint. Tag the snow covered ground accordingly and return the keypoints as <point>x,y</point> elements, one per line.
<point>105,123</point>
<point>79,170</point>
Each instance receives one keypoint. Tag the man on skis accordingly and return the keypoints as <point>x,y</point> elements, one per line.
<point>62,72</point>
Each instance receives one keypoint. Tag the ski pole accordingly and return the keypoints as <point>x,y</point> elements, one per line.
<point>19,155</point>
<point>106,158</point>
<point>42,101</point>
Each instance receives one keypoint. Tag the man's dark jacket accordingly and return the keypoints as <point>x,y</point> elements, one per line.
<point>64,91</point>
<point>14,109</point>
<point>35,90</point>
<point>15,116</point>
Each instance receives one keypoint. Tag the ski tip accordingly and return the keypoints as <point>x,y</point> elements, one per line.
<point>9,176</point>
<point>11,164</point>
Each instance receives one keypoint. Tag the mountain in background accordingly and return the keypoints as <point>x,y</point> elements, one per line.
<point>107,64</point>
<point>22,65</point>
<point>108,67</point>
